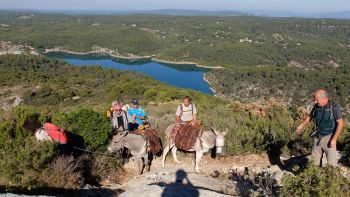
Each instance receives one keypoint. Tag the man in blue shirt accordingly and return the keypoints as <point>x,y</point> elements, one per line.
<point>137,115</point>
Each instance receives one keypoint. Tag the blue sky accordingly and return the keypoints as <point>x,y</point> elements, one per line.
<point>313,6</point>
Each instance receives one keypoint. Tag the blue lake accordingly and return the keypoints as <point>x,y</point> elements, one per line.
<point>182,76</point>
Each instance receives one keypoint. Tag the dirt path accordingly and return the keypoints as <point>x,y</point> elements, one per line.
<point>180,179</point>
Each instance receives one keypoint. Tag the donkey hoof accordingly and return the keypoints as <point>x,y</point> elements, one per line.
<point>197,170</point>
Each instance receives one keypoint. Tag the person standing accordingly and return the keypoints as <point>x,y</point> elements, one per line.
<point>329,124</point>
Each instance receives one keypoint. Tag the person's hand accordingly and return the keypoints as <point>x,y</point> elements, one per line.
<point>194,123</point>
<point>298,130</point>
<point>332,143</point>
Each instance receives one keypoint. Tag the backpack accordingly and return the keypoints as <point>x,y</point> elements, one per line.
<point>182,110</point>
<point>56,133</point>
<point>332,105</point>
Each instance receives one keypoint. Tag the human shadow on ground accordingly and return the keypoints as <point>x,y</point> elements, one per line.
<point>181,187</point>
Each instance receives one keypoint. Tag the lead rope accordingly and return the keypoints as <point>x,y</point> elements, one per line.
<point>92,152</point>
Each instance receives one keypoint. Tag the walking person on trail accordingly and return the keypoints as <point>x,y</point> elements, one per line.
<point>329,124</point>
<point>186,113</point>
<point>119,118</point>
<point>137,116</point>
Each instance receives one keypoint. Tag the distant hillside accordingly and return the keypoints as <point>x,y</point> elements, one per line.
<point>336,15</point>
<point>270,13</point>
<point>182,12</point>
<point>185,12</point>
<point>283,54</point>
<point>170,12</point>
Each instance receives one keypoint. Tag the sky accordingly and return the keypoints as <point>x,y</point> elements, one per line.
<point>298,6</point>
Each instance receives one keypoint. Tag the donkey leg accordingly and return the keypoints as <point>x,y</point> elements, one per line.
<point>165,152</point>
<point>173,150</point>
<point>150,159</point>
<point>145,162</point>
<point>199,155</point>
<point>140,164</point>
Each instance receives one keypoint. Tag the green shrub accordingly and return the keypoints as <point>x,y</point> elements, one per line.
<point>344,142</point>
<point>316,181</point>
<point>91,125</point>
<point>23,160</point>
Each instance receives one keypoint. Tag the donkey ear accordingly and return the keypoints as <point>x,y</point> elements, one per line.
<point>225,132</point>
<point>215,131</point>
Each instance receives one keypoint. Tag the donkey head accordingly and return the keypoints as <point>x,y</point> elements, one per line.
<point>219,140</point>
<point>117,142</point>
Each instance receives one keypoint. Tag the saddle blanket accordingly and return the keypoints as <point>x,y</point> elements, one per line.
<point>153,139</point>
<point>185,136</point>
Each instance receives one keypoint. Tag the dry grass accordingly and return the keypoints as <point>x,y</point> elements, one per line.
<point>64,172</point>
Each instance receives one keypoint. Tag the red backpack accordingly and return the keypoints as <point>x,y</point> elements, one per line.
<point>56,133</point>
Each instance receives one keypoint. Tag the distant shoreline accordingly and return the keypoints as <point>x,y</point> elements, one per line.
<point>185,63</point>
<point>98,52</point>
<point>134,58</point>
<point>210,85</point>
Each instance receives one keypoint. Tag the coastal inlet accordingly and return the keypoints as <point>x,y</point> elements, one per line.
<point>187,76</point>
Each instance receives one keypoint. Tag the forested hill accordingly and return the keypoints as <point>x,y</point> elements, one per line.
<point>207,40</point>
<point>281,58</point>
<point>293,86</point>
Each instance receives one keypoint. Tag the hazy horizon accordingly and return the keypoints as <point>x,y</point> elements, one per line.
<point>306,6</point>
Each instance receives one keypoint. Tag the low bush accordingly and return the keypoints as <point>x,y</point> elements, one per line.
<point>107,168</point>
<point>91,125</point>
<point>64,172</point>
<point>316,181</point>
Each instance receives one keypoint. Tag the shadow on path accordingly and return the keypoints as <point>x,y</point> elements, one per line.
<point>181,187</point>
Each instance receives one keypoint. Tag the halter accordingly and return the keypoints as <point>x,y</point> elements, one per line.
<point>219,145</point>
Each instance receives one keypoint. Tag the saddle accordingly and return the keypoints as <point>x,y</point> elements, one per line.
<point>152,138</point>
<point>185,136</point>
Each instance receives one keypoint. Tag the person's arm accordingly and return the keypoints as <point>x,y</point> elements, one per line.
<point>340,126</point>
<point>177,119</point>
<point>125,120</point>
<point>338,131</point>
<point>194,118</point>
<point>141,115</point>
<point>299,129</point>
<point>177,115</point>
<point>132,116</point>
<point>194,121</point>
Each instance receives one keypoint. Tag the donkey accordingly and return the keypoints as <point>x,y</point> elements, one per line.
<point>208,140</point>
<point>137,146</point>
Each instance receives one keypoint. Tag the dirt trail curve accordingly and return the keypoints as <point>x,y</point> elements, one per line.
<point>181,180</point>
